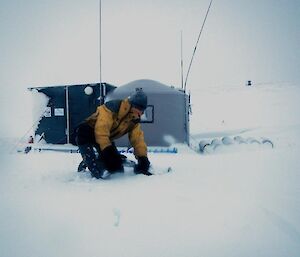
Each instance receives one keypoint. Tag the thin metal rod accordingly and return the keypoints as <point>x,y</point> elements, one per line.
<point>187,75</point>
<point>100,53</point>
<point>68,115</point>
<point>181,61</point>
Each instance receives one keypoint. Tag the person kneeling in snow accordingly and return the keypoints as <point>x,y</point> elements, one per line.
<point>112,120</point>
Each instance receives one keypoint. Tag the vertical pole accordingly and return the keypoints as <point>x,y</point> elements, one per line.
<point>68,115</point>
<point>181,61</point>
<point>101,96</point>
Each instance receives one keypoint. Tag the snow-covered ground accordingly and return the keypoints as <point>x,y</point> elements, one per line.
<point>231,203</point>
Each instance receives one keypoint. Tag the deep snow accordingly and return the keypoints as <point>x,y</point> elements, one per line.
<point>243,202</point>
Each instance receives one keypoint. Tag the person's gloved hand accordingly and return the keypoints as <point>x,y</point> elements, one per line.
<point>112,159</point>
<point>142,166</point>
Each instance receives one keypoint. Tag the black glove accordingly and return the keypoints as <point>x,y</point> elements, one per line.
<point>143,166</point>
<point>112,159</point>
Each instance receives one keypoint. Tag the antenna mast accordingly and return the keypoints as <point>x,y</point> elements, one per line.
<point>101,97</point>
<point>197,45</point>
<point>181,61</point>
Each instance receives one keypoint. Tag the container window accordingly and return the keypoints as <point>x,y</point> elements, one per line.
<point>148,115</point>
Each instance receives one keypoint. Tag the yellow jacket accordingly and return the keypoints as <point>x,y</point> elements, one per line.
<point>112,120</point>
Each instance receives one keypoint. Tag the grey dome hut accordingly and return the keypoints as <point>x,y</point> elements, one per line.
<point>166,119</point>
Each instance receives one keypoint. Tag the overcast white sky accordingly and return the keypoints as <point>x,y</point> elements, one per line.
<point>57,42</point>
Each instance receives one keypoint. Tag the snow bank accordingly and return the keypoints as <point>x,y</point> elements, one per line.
<point>40,102</point>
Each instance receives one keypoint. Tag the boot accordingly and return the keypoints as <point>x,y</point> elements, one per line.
<point>82,166</point>
<point>89,158</point>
